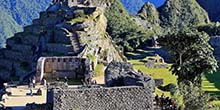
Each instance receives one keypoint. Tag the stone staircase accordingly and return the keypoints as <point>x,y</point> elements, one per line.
<point>75,41</point>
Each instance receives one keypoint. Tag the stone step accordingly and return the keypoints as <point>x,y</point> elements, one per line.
<point>60,48</point>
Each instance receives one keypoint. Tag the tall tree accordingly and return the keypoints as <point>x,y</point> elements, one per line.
<point>191,53</point>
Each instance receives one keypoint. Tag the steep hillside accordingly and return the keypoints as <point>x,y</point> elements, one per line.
<point>148,17</point>
<point>14,14</point>
<point>133,6</point>
<point>175,14</point>
<point>8,26</point>
<point>212,7</point>
<point>124,31</point>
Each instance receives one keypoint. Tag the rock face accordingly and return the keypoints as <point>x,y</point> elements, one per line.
<point>68,31</point>
<point>148,18</point>
<point>123,74</point>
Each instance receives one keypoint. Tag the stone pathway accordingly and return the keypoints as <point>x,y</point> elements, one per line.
<point>20,99</point>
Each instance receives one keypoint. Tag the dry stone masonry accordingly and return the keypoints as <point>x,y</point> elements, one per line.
<point>60,67</point>
<point>115,98</point>
<point>70,29</point>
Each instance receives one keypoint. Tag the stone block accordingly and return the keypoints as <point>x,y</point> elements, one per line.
<point>116,98</point>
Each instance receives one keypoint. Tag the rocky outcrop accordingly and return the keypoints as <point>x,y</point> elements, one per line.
<point>148,18</point>
<point>123,74</point>
<point>70,31</point>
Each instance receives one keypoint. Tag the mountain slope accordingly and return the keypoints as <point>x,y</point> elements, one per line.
<point>8,26</point>
<point>133,6</point>
<point>175,14</point>
<point>15,14</point>
<point>124,31</point>
<point>148,18</point>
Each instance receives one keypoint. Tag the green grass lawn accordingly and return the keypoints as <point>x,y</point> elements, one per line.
<point>210,84</point>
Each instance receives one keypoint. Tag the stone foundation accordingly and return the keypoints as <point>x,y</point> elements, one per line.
<point>116,98</point>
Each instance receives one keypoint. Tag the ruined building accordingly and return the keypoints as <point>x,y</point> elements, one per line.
<point>66,30</point>
<point>61,67</point>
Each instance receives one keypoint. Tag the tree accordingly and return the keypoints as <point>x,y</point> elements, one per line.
<point>191,53</point>
<point>194,98</point>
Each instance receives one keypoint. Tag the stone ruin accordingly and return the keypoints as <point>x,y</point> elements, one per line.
<point>60,67</point>
<point>122,74</point>
<point>155,62</point>
<point>62,32</point>
<point>125,89</point>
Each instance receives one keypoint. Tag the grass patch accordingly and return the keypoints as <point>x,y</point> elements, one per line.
<point>77,20</point>
<point>211,84</point>
<point>99,70</point>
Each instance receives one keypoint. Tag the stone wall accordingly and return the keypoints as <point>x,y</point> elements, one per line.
<point>116,98</point>
<point>59,67</point>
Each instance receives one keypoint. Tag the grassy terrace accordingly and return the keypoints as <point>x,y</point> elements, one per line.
<point>210,84</point>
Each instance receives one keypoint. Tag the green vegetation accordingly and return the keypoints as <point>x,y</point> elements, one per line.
<point>91,57</point>
<point>191,53</point>
<point>211,83</point>
<point>194,98</point>
<point>99,70</point>
<point>175,14</point>
<point>77,20</point>
<point>156,73</point>
<point>150,15</point>
<point>18,13</point>
<point>122,29</point>
<point>213,29</point>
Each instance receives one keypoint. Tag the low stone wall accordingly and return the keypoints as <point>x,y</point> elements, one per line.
<point>116,98</point>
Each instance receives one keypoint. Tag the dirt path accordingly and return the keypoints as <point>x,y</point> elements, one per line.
<point>99,80</point>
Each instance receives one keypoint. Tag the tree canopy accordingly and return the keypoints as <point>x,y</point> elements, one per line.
<point>191,53</point>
